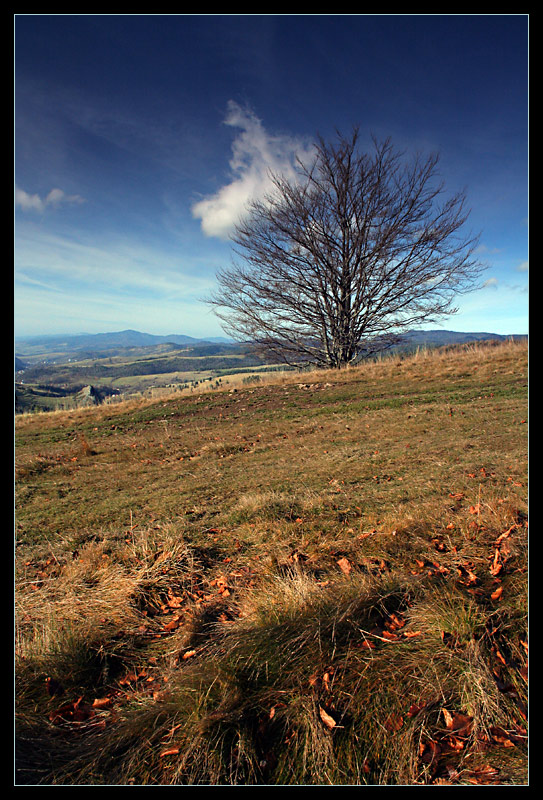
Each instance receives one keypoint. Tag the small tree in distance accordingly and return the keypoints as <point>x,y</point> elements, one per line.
<point>336,265</point>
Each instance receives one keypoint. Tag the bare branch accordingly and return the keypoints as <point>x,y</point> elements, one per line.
<point>336,265</point>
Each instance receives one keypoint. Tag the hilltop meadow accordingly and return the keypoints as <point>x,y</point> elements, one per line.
<point>318,578</point>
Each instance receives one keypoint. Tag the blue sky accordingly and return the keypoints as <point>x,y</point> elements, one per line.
<point>140,138</point>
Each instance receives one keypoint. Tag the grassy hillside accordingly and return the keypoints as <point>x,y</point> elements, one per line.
<point>319,582</point>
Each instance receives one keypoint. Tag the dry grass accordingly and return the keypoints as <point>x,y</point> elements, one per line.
<point>318,581</point>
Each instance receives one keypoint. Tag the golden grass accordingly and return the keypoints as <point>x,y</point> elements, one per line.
<point>313,580</point>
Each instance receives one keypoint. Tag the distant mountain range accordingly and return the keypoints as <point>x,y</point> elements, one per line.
<point>131,338</point>
<point>107,341</point>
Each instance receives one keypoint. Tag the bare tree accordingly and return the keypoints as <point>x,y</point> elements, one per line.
<point>337,264</point>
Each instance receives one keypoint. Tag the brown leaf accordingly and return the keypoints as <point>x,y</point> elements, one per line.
<point>326,679</point>
<point>173,600</point>
<point>72,712</point>
<point>460,723</point>
<point>501,736</point>
<point>482,775</point>
<point>429,751</point>
<point>393,722</point>
<point>345,565</point>
<point>328,720</point>
<point>391,637</point>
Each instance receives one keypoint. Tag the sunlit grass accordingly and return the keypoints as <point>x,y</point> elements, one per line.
<point>311,580</point>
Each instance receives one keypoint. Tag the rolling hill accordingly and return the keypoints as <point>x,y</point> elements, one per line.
<point>318,580</point>
<point>52,370</point>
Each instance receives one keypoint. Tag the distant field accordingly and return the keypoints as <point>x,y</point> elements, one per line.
<point>50,382</point>
<point>315,579</point>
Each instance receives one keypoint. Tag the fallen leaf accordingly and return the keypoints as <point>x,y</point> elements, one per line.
<point>411,634</point>
<point>345,565</point>
<point>172,625</point>
<point>173,600</point>
<point>394,621</point>
<point>496,566</point>
<point>501,736</point>
<point>171,751</point>
<point>393,722</point>
<point>455,721</point>
<point>103,702</point>
<point>453,743</point>
<point>481,775</point>
<point>497,594</point>
<point>328,720</point>
<point>72,712</point>
<point>429,751</point>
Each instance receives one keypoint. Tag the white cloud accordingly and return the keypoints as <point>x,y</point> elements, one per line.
<point>523,267</point>
<point>491,283</point>
<point>33,202</point>
<point>254,153</point>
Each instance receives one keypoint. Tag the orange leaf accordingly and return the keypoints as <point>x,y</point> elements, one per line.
<point>171,626</point>
<point>496,567</point>
<point>497,594</point>
<point>345,565</point>
<point>391,637</point>
<point>327,719</point>
<point>171,751</point>
<point>429,751</point>
<point>326,680</point>
<point>411,634</point>
<point>394,621</point>
<point>103,702</point>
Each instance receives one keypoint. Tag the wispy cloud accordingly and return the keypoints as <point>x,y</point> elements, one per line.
<point>33,202</point>
<point>491,283</point>
<point>68,283</point>
<point>118,265</point>
<point>255,152</point>
<point>522,267</point>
